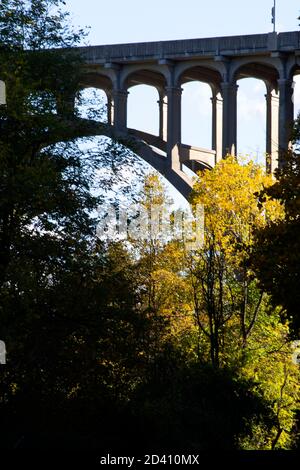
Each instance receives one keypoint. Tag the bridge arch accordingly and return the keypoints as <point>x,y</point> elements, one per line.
<point>156,82</point>
<point>213,71</point>
<point>293,74</point>
<point>252,99</point>
<point>140,74</point>
<point>293,69</point>
<point>209,81</point>
<point>92,103</point>
<point>202,74</point>
<point>104,82</point>
<point>266,69</point>
<point>196,113</point>
<point>144,100</point>
<point>151,155</point>
<point>263,109</point>
<point>101,80</point>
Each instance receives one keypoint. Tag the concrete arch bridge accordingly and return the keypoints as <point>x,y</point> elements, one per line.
<point>219,62</point>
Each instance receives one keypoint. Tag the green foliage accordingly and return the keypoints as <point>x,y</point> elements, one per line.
<point>36,25</point>
<point>110,344</point>
<point>276,259</point>
<point>223,284</point>
<point>233,314</point>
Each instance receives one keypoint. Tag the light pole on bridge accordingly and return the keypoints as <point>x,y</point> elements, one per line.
<point>274,16</point>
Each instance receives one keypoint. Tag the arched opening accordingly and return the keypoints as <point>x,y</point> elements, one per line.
<point>296,96</point>
<point>196,124</point>
<point>257,111</point>
<point>251,119</point>
<point>91,103</point>
<point>143,109</point>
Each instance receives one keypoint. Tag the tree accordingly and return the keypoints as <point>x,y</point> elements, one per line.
<point>106,332</point>
<point>164,290</point>
<point>222,281</point>
<point>233,314</point>
<point>75,335</point>
<point>276,257</point>
<point>46,232</point>
<point>36,177</point>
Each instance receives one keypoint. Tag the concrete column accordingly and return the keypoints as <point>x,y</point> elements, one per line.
<point>163,116</point>
<point>173,124</point>
<point>272,126</point>
<point>110,109</point>
<point>120,109</point>
<point>229,93</point>
<point>286,115</point>
<point>217,124</point>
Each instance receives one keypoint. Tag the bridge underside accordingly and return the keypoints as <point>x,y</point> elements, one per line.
<point>152,150</point>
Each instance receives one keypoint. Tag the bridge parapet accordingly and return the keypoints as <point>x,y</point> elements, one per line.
<point>187,48</point>
<point>200,155</point>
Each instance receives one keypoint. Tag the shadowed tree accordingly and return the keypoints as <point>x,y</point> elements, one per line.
<point>276,257</point>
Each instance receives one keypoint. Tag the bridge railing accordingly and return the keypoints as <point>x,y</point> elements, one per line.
<point>234,45</point>
<point>150,139</point>
<point>289,41</point>
<point>189,153</point>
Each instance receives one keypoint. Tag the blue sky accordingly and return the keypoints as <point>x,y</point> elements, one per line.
<point>119,21</point>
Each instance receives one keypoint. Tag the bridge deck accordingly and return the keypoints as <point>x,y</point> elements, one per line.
<point>187,48</point>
